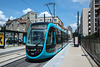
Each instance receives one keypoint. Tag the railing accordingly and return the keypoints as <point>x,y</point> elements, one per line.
<point>92,46</point>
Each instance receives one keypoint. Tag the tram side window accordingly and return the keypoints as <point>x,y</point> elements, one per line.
<point>50,41</point>
<point>50,38</point>
<point>58,37</point>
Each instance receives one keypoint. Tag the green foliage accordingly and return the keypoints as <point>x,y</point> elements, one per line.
<point>95,35</point>
<point>3,28</point>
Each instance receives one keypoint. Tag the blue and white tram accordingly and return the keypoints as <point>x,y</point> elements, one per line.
<point>44,40</point>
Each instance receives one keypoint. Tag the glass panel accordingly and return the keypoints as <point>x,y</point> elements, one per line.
<point>36,38</point>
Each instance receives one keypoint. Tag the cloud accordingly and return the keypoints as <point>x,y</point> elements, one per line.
<point>11,17</point>
<point>74,26</point>
<point>46,14</point>
<point>27,10</point>
<point>2,22</point>
<point>80,1</point>
<point>2,17</point>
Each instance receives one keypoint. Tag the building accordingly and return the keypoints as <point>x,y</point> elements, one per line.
<point>21,25</point>
<point>55,20</point>
<point>65,30</point>
<point>32,16</point>
<point>98,21</point>
<point>70,31</point>
<point>94,6</point>
<point>85,22</point>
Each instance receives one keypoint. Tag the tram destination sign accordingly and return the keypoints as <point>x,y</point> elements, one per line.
<point>38,27</point>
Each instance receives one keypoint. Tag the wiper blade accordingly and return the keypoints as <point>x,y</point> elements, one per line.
<point>39,42</point>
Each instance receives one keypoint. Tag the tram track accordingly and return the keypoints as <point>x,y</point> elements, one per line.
<point>12,58</point>
<point>8,54</point>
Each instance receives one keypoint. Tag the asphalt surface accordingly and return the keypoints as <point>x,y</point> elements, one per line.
<point>24,63</point>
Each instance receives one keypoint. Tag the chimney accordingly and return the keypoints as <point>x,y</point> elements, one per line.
<point>20,18</point>
<point>8,19</point>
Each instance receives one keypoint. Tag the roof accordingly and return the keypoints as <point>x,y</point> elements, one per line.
<point>20,20</point>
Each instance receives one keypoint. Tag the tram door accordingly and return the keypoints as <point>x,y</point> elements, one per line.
<point>50,45</point>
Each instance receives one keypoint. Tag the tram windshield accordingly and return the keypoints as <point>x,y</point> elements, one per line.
<point>36,36</point>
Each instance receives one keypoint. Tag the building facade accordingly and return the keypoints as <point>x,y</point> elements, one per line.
<point>31,16</point>
<point>94,6</point>
<point>54,20</point>
<point>85,22</point>
<point>98,21</point>
<point>21,25</point>
<point>70,31</point>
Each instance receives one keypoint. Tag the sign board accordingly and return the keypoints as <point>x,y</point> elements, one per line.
<point>1,39</point>
<point>76,40</point>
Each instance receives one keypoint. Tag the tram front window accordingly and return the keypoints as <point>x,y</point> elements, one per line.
<point>35,38</point>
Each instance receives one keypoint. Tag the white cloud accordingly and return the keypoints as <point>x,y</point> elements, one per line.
<point>80,1</point>
<point>46,14</point>
<point>2,17</point>
<point>76,16</point>
<point>74,26</point>
<point>11,17</point>
<point>2,22</point>
<point>27,10</point>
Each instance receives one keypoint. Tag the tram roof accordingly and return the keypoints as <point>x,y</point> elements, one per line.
<point>47,24</point>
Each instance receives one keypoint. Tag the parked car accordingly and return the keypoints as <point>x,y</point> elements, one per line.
<point>12,41</point>
<point>20,41</point>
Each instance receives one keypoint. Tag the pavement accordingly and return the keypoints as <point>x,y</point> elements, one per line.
<point>71,56</point>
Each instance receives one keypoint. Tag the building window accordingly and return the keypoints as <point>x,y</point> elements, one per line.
<point>95,29</point>
<point>23,25</point>
<point>12,25</point>
<point>55,20</point>
<point>89,20</point>
<point>35,20</point>
<point>89,32</point>
<point>28,18</point>
<point>47,20</point>
<point>50,20</point>
<point>17,25</point>
<point>35,16</point>
<point>41,19</point>
<point>89,24</point>
<point>95,24</point>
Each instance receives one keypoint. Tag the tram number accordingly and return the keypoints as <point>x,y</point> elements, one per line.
<point>32,53</point>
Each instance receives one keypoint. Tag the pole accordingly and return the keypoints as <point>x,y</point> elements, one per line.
<point>54,9</point>
<point>78,21</point>
<point>44,17</point>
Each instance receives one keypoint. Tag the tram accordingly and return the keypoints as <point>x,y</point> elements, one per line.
<point>44,40</point>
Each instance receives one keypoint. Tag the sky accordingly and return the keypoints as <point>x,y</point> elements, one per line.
<point>66,10</point>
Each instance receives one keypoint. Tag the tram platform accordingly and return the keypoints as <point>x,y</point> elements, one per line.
<point>71,56</point>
